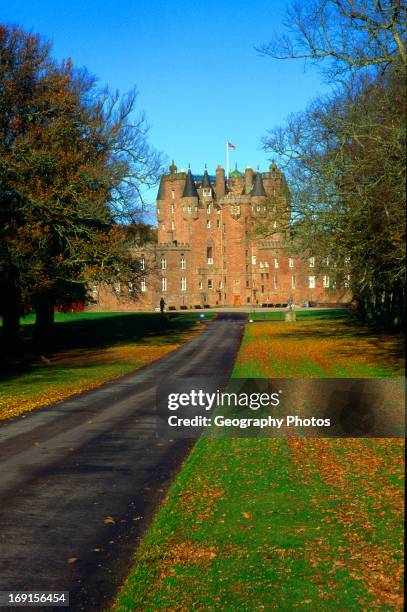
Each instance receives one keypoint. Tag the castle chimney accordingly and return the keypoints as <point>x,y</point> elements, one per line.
<point>220,182</point>
<point>248,180</point>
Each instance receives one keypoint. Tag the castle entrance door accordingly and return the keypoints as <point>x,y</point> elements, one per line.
<point>236,300</point>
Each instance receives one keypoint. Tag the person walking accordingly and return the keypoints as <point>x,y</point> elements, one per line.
<point>162,305</point>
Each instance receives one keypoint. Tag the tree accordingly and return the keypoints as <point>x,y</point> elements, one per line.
<point>345,154</point>
<point>353,34</point>
<point>72,163</point>
<point>346,159</point>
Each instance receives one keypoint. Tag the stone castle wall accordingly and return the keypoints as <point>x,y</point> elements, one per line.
<point>210,249</point>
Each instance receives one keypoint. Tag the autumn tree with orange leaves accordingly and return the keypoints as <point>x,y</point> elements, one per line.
<point>73,159</point>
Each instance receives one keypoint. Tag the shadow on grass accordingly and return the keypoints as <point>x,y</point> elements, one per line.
<point>387,346</point>
<point>98,332</point>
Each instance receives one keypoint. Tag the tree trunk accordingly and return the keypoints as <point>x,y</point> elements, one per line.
<point>11,327</point>
<point>44,323</point>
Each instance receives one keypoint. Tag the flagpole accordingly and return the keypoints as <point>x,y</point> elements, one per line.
<point>227,159</point>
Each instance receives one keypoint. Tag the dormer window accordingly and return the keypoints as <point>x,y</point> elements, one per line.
<point>207,192</point>
<point>208,209</point>
<point>172,194</point>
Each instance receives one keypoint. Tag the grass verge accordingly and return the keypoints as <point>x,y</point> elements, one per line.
<point>88,350</point>
<point>254,524</point>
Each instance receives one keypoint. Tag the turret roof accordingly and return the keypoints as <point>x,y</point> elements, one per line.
<point>160,194</point>
<point>190,187</point>
<point>235,173</point>
<point>206,181</point>
<point>258,187</point>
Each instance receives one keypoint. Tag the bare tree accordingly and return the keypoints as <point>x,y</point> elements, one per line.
<point>352,33</point>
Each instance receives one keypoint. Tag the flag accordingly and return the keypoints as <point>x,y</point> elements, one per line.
<point>231,146</point>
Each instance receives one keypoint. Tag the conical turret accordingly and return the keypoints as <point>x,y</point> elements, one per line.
<point>206,181</point>
<point>190,187</point>
<point>160,194</point>
<point>258,187</point>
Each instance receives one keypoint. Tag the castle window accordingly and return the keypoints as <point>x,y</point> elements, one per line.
<point>207,192</point>
<point>163,226</point>
<point>200,284</point>
<point>266,264</point>
<point>117,288</point>
<point>163,263</point>
<point>218,223</point>
<point>276,263</point>
<point>210,284</point>
<point>262,288</point>
<point>183,263</point>
<point>311,282</point>
<point>172,194</point>
<point>208,224</point>
<point>293,282</point>
<point>254,260</point>
<point>291,262</point>
<point>208,208</point>
<point>183,284</point>
<point>326,261</point>
<point>143,285</point>
<point>172,225</point>
<point>246,253</point>
<point>325,282</point>
<point>247,267</point>
<point>258,208</point>
<point>142,263</point>
<point>130,285</point>
<point>209,255</point>
<point>189,208</point>
<point>163,284</point>
<point>311,262</point>
<point>220,284</point>
<point>247,284</point>
<point>172,208</point>
<point>275,281</point>
<point>346,282</point>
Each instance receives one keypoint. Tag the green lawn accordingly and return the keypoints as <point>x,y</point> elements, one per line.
<point>261,524</point>
<point>305,314</point>
<point>88,349</point>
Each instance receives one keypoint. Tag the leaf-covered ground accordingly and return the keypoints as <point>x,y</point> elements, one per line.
<point>317,349</point>
<point>264,524</point>
<point>89,350</point>
<point>276,524</point>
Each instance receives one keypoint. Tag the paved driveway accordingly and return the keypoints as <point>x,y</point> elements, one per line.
<point>80,481</point>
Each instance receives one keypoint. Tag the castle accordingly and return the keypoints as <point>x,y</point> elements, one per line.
<point>224,242</point>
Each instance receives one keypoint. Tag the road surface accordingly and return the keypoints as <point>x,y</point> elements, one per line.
<point>80,480</point>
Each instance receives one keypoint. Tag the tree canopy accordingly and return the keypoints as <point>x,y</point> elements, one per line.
<point>73,160</point>
<point>345,155</point>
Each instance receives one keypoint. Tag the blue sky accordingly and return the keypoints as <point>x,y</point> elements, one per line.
<point>200,79</point>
